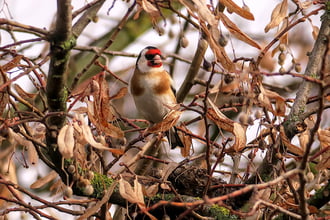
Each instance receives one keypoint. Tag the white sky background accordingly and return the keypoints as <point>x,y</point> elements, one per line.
<point>40,13</point>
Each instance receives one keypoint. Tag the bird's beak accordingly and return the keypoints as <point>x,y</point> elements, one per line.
<point>157,59</point>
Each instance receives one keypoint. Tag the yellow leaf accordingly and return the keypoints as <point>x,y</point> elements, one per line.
<point>232,27</point>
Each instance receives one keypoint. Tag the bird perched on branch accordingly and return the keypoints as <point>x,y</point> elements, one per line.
<point>151,88</point>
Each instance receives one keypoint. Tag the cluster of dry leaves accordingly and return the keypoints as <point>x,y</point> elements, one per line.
<point>107,134</point>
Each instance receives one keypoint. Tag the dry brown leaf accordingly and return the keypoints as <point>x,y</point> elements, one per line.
<point>132,194</point>
<point>186,140</point>
<point>65,141</point>
<point>232,27</point>
<point>44,180</point>
<point>152,190</point>
<point>229,125</point>
<point>267,61</point>
<point>8,172</point>
<point>169,121</point>
<point>219,51</point>
<point>278,15</point>
<point>16,138</point>
<point>232,6</point>
<point>324,138</point>
<point>11,64</point>
<point>150,9</point>
<point>121,93</point>
<point>315,31</point>
<point>266,96</point>
<point>200,7</point>
<point>23,94</point>
<point>100,111</point>
<point>240,137</point>
<point>291,147</point>
<point>85,131</point>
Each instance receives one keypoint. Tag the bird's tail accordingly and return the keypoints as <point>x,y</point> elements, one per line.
<point>174,138</point>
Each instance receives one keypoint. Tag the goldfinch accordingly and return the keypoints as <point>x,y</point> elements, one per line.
<point>151,88</point>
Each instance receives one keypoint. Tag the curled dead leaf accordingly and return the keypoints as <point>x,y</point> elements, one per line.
<point>44,180</point>
<point>228,125</point>
<point>121,93</point>
<point>266,96</point>
<point>200,7</point>
<point>278,15</point>
<point>169,121</point>
<point>152,190</point>
<point>65,141</point>
<point>23,94</point>
<point>232,27</point>
<point>220,53</point>
<point>233,7</point>
<point>16,138</point>
<point>185,139</point>
<point>11,64</point>
<point>86,133</point>
<point>324,138</point>
<point>150,9</point>
<point>291,147</point>
<point>132,194</point>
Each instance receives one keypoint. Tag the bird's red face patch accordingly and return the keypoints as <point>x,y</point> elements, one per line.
<point>154,58</point>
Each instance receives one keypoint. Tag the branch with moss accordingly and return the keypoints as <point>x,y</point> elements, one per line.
<point>61,43</point>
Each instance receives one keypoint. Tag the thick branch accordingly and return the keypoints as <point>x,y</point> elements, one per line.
<point>193,70</point>
<point>61,45</point>
<point>312,70</point>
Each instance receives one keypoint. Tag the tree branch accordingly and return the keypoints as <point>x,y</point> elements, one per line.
<point>61,45</point>
<point>313,69</point>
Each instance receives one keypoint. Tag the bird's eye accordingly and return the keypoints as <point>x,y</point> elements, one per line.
<point>150,56</point>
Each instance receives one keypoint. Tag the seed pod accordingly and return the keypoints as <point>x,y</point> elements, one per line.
<point>184,42</point>
<point>89,175</point>
<point>71,168</point>
<point>243,118</point>
<point>279,155</point>
<point>310,176</point>
<point>88,190</point>
<point>160,31</point>
<point>282,70</point>
<point>222,40</point>
<point>281,58</point>
<point>207,65</point>
<point>68,192</point>
<point>171,34</point>
<point>282,47</point>
<point>258,114</point>
<point>297,67</point>
<point>250,120</point>
<point>95,19</point>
